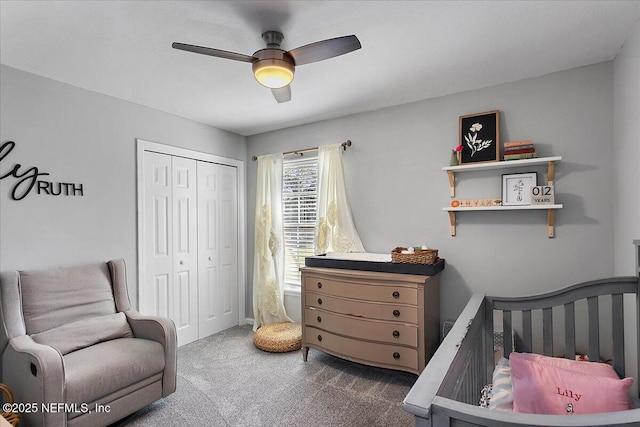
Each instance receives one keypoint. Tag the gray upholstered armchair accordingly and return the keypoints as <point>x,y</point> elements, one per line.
<point>72,346</point>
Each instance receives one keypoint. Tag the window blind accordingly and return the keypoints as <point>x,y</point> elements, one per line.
<point>299,200</point>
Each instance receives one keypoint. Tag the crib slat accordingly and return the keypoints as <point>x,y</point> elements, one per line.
<point>477,376</point>
<point>617,322</point>
<point>526,331</point>
<point>488,340</point>
<point>547,331</point>
<point>507,327</point>
<point>594,329</point>
<point>570,331</point>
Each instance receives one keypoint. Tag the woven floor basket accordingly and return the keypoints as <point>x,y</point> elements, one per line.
<point>278,337</point>
<point>420,256</point>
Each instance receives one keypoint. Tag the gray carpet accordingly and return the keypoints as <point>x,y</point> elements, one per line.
<point>224,380</point>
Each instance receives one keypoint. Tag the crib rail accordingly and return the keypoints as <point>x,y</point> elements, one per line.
<point>448,412</point>
<point>561,306</point>
<point>469,363</point>
<point>437,377</point>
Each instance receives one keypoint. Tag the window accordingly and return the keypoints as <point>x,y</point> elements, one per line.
<point>299,200</point>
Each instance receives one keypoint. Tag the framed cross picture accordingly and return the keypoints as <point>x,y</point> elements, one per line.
<point>480,137</point>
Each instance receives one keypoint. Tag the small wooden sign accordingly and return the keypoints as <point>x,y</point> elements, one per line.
<point>542,195</point>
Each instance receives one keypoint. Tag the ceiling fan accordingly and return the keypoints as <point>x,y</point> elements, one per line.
<point>274,67</point>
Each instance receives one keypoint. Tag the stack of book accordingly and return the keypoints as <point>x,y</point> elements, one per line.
<point>517,150</point>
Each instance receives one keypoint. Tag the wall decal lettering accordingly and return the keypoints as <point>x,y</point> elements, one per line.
<point>27,179</point>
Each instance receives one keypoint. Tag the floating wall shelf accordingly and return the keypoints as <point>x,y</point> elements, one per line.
<point>549,161</point>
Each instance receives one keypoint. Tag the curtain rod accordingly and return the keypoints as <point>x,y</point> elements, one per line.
<point>345,144</point>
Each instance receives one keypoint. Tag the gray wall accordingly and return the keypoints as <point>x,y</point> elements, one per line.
<point>82,137</point>
<point>397,187</point>
<point>626,151</point>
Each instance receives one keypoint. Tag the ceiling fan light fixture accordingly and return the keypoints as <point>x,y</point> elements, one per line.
<point>273,73</point>
<point>274,67</point>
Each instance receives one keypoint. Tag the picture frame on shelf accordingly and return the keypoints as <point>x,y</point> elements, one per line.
<point>516,188</point>
<point>479,136</point>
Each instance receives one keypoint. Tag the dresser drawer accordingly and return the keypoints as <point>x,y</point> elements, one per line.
<point>385,293</point>
<point>384,354</point>
<point>373,330</point>
<point>368,309</point>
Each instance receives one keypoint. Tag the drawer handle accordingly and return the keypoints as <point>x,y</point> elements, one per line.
<point>319,319</point>
<point>319,285</point>
<point>396,355</point>
<point>396,313</point>
<point>320,301</point>
<point>396,294</point>
<point>319,337</point>
<point>396,334</point>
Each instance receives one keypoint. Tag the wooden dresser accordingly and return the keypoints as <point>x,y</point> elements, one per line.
<point>380,319</point>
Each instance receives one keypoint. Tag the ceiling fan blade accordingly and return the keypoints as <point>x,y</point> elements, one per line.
<point>213,52</point>
<point>325,49</point>
<point>282,94</point>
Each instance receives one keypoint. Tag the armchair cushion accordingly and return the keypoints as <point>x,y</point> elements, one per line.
<point>123,362</point>
<point>58,296</point>
<point>83,333</point>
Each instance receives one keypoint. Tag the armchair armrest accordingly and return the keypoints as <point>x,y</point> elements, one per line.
<point>36,376</point>
<point>163,331</point>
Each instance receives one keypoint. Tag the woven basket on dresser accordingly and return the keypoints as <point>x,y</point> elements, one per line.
<point>419,256</point>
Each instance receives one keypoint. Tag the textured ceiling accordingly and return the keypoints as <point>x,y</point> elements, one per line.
<point>410,50</point>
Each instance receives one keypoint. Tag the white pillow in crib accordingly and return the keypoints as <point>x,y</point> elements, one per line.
<point>502,390</point>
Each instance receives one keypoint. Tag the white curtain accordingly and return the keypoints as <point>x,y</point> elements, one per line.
<point>268,284</point>
<point>336,231</point>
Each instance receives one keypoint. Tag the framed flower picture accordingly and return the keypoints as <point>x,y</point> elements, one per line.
<point>516,188</point>
<point>480,137</point>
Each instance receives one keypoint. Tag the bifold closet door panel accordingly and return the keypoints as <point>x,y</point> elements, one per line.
<point>185,244</point>
<point>229,244</point>
<point>157,245</point>
<point>217,247</point>
<point>208,248</point>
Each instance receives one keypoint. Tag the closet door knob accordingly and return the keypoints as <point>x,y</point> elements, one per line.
<point>396,313</point>
<point>210,258</point>
<point>181,262</point>
<point>396,334</point>
<point>396,294</point>
<point>319,319</point>
<point>320,301</point>
<point>396,355</point>
<point>319,285</point>
<point>319,337</point>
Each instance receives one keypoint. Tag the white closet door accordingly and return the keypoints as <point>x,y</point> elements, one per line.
<point>229,245</point>
<point>158,231</point>
<point>189,244</point>
<point>185,244</point>
<point>208,248</point>
<point>217,247</point>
